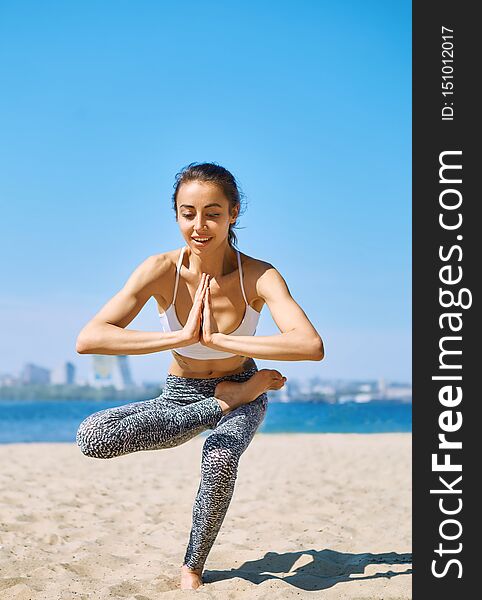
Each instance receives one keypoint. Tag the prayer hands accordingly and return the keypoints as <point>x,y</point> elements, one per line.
<point>209,325</point>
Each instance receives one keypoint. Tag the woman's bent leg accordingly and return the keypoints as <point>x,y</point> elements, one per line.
<point>148,425</point>
<point>221,453</point>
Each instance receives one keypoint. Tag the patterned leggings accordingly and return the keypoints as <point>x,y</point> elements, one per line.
<point>185,408</point>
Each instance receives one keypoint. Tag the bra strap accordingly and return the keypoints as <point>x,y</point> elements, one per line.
<point>240,268</point>
<point>178,270</point>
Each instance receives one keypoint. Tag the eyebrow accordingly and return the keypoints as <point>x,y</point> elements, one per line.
<point>207,205</point>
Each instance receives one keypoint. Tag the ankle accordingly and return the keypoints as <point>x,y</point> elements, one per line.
<point>224,406</point>
<point>191,570</point>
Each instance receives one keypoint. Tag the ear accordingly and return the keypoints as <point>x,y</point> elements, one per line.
<point>234,214</point>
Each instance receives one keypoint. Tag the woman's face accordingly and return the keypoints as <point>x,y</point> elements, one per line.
<point>204,216</point>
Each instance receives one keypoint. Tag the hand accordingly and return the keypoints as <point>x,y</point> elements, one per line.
<point>192,328</point>
<point>209,326</point>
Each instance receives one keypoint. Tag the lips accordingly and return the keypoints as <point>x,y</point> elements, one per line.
<point>201,240</point>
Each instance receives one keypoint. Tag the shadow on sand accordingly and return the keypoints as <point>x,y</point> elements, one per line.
<point>318,570</point>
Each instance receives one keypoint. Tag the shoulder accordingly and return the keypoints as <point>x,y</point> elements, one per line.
<point>263,275</point>
<point>258,268</point>
<point>161,263</point>
<point>254,268</point>
<point>155,267</point>
<point>155,275</point>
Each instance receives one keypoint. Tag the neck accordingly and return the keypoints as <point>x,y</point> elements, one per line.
<point>215,264</point>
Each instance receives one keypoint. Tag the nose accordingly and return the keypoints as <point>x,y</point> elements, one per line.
<point>199,223</point>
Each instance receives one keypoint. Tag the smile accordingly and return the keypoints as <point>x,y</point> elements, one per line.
<point>201,241</point>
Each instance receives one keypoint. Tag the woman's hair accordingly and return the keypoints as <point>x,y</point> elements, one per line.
<point>215,174</point>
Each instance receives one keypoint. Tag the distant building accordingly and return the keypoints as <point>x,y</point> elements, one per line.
<point>110,370</point>
<point>292,387</point>
<point>64,374</point>
<point>34,374</point>
<point>281,395</point>
<point>8,380</point>
<point>363,397</point>
<point>399,392</point>
<point>326,392</point>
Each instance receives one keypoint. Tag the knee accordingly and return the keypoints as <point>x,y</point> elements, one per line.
<point>93,441</point>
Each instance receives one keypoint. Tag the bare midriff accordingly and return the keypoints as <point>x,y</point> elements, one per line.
<point>182,366</point>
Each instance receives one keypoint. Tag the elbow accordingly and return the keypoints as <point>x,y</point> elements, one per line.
<point>318,351</point>
<point>82,346</point>
<point>85,343</point>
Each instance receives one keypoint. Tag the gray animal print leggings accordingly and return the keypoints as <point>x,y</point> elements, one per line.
<point>185,408</point>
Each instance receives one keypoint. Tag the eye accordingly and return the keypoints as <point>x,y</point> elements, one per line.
<point>213,215</point>
<point>187,216</point>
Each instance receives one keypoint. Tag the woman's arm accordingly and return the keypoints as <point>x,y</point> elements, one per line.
<point>298,340</point>
<point>105,333</point>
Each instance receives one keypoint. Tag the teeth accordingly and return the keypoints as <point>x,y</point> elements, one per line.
<point>201,239</point>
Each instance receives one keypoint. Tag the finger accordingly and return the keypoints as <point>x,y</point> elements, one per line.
<point>202,290</point>
<point>208,304</point>
<point>200,287</point>
<point>206,307</point>
<point>206,323</point>
<point>205,286</point>
<point>209,308</point>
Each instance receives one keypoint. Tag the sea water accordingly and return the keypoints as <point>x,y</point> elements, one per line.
<point>57,420</point>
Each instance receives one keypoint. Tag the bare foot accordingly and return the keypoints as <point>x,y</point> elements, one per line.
<point>190,578</point>
<point>231,394</point>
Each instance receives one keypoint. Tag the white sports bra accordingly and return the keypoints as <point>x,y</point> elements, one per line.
<point>170,322</point>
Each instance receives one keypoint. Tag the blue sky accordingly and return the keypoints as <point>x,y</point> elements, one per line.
<point>307,103</point>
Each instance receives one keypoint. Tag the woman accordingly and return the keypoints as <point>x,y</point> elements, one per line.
<point>213,382</point>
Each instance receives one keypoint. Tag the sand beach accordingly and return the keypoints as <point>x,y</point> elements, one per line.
<point>312,516</point>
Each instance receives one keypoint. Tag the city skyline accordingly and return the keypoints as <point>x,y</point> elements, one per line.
<point>117,367</point>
